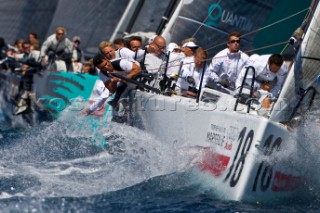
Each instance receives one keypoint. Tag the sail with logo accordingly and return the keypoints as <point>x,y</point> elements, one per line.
<point>211,21</point>
<point>265,28</point>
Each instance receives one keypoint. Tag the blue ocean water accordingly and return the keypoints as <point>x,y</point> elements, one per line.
<point>55,167</point>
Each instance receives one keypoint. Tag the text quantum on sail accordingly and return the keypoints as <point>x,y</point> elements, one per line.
<point>216,13</point>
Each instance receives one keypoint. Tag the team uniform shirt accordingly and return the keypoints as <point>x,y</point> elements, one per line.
<point>175,63</point>
<point>103,94</point>
<point>139,55</point>
<point>263,75</point>
<point>154,63</point>
<point>189,70</point>
<point>225,65</point>
<point>129,54</point>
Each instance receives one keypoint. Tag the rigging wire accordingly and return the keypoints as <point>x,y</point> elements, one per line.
<point>202,23</point>
<point>265,27</point>
<point>267,46</point>
<point>285,47</point>
<point>277,22</point>
<point>249,33</point>
<point>306,19</point>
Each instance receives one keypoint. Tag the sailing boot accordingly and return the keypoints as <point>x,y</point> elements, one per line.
<point>21,106</point>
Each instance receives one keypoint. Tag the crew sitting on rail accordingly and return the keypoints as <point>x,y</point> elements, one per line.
<point>226,65</point>
<point>270,74</point>
<point>122,66</point>
<point>189,80</point>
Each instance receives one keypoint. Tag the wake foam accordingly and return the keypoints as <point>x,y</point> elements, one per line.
<point>62,158</point>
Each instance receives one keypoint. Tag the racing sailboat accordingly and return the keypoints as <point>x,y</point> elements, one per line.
<point>243,147</point>
<point>239,146</point>
<point>211,18</point>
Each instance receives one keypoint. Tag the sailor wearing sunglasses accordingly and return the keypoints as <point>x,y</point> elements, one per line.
<point>226,65</point>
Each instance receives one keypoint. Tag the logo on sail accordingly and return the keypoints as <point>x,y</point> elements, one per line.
<point>216,14</point>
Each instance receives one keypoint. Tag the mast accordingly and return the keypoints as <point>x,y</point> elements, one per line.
<point>126,22</point>
<point>134,16</point>
<point>166,16</point>
<point>165,31</point>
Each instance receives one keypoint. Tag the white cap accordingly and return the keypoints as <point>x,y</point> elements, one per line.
<point>76,38</point>
<point>151,39</point>
<point>172,46</point>
<point>190,44</point>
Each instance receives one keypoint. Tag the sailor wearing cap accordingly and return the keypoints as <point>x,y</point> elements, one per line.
<point>189,48</point>
<point>77,55</point>
<point>175,59</point>
<point>190,44</point>
<point>173,47</point>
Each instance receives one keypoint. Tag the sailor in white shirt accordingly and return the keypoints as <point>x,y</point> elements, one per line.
<point>227,64</point>
<point>270,74</point>
<point>102,94</point>
<point>193,67</point>
<point>175,59</point>
<point>110,53</point>
<point>188,51</point>
<point>120,66</point>
<point>125,52</point>
<point>155,57</point>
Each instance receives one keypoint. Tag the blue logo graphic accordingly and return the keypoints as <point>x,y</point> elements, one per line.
<point>214,8</point>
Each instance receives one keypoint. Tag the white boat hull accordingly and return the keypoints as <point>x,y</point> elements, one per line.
<point>246,155</point>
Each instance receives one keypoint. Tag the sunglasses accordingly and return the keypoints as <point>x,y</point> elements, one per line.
<point>234,41</point>
<point>160,47</point>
